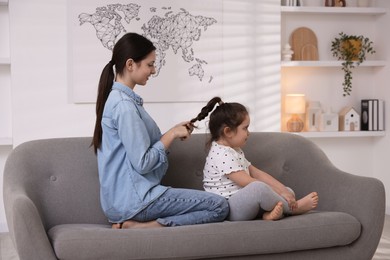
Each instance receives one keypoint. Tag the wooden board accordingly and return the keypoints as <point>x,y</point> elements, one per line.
<point>303,42</point>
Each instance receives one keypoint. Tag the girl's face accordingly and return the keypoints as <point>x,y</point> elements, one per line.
<point>237,139</point>
<point>143,69</point>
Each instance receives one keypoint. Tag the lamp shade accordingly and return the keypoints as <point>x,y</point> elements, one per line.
<point>295,104</point>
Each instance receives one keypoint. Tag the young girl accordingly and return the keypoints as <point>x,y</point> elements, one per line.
<point>131,150</point>
<point>250,191</point>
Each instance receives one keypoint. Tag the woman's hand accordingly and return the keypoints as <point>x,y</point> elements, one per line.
<point>190,127</point>
<point>182,131</point>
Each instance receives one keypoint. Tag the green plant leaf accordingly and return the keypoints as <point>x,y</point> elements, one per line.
<point>343,49</point>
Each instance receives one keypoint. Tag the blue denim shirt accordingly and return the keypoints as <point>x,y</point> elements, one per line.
<point>131,160</point>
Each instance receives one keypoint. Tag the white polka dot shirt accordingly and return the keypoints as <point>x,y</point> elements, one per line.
<point>220,162</point>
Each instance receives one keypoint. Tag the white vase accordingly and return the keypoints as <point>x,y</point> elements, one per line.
<point>363,3</point>
<point>313,116</point>
<point>287,52</point>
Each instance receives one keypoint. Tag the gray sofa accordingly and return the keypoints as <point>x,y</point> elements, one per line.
<point>51,195</point>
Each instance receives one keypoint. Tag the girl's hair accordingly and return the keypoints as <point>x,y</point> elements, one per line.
<point>224,115</point>
<point>129,46</point>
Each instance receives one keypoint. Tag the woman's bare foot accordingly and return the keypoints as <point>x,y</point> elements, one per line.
<point>306,204</point>
<point>135,224</point>
<point>274,214</point>
<point>116,226</point>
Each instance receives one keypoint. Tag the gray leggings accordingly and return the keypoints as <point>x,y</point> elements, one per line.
<point>253,200</point>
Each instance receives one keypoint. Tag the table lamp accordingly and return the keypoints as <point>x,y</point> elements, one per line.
<point>295,105</point>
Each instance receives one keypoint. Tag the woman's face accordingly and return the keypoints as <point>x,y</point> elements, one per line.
<point>144,69</point>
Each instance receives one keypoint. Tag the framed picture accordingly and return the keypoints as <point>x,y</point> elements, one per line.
<point>187,36</point>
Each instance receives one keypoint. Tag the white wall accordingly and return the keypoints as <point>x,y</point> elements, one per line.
<point>39,70</point>
<point>381,146</point>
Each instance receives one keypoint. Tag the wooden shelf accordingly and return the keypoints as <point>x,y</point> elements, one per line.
<point>295,16</point>
<point>333,10</point>
<point>5,141</point>
<point>342,134</point>
<point>367,63</point>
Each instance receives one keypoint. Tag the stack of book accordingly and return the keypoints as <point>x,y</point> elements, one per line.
<point>373,115</point>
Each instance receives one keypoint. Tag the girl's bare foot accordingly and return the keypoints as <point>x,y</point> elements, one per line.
<point>306,204</point>
<point>274,214</point>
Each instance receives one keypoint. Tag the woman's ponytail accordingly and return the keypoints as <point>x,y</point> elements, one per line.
<point>104,88</point>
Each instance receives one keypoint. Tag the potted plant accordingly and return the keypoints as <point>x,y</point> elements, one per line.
<point>352,50</point>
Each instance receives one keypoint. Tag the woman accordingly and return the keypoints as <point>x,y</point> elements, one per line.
<point>131,150</point>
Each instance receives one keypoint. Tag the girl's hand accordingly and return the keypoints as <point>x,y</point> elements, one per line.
<point>290,198</point>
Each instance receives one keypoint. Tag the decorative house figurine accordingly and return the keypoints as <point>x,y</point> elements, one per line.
<point>329,121</point>
<point>349,119</point>
<point>313,113</point>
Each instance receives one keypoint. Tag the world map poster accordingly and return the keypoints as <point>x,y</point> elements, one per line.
<point>187,36</point>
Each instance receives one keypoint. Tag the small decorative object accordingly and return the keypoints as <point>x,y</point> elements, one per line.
<point>329,2</point>
<point>329,121</point>
<point>352,50</point>
<point>291,2</point>
<point>295,105</point>
<point>312,3</point>
<point>313,113</point>
<point>303,41</point>
<point>287,52</point>
<point>349,119</point>
<point>340,3</point>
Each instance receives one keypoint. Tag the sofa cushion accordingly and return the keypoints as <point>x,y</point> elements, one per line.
<point>309,231</point>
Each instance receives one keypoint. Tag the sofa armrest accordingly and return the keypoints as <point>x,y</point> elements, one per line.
<point>24,221</point>
<point>338,190</point>
<point>300,164</point>
<point>361,197</point>
<point>26,229</point>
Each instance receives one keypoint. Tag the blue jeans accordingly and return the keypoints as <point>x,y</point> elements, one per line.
<point>178,207</point>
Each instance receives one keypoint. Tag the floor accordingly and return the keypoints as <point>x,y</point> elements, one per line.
<point>7,251</point>
<point>383,250</point>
